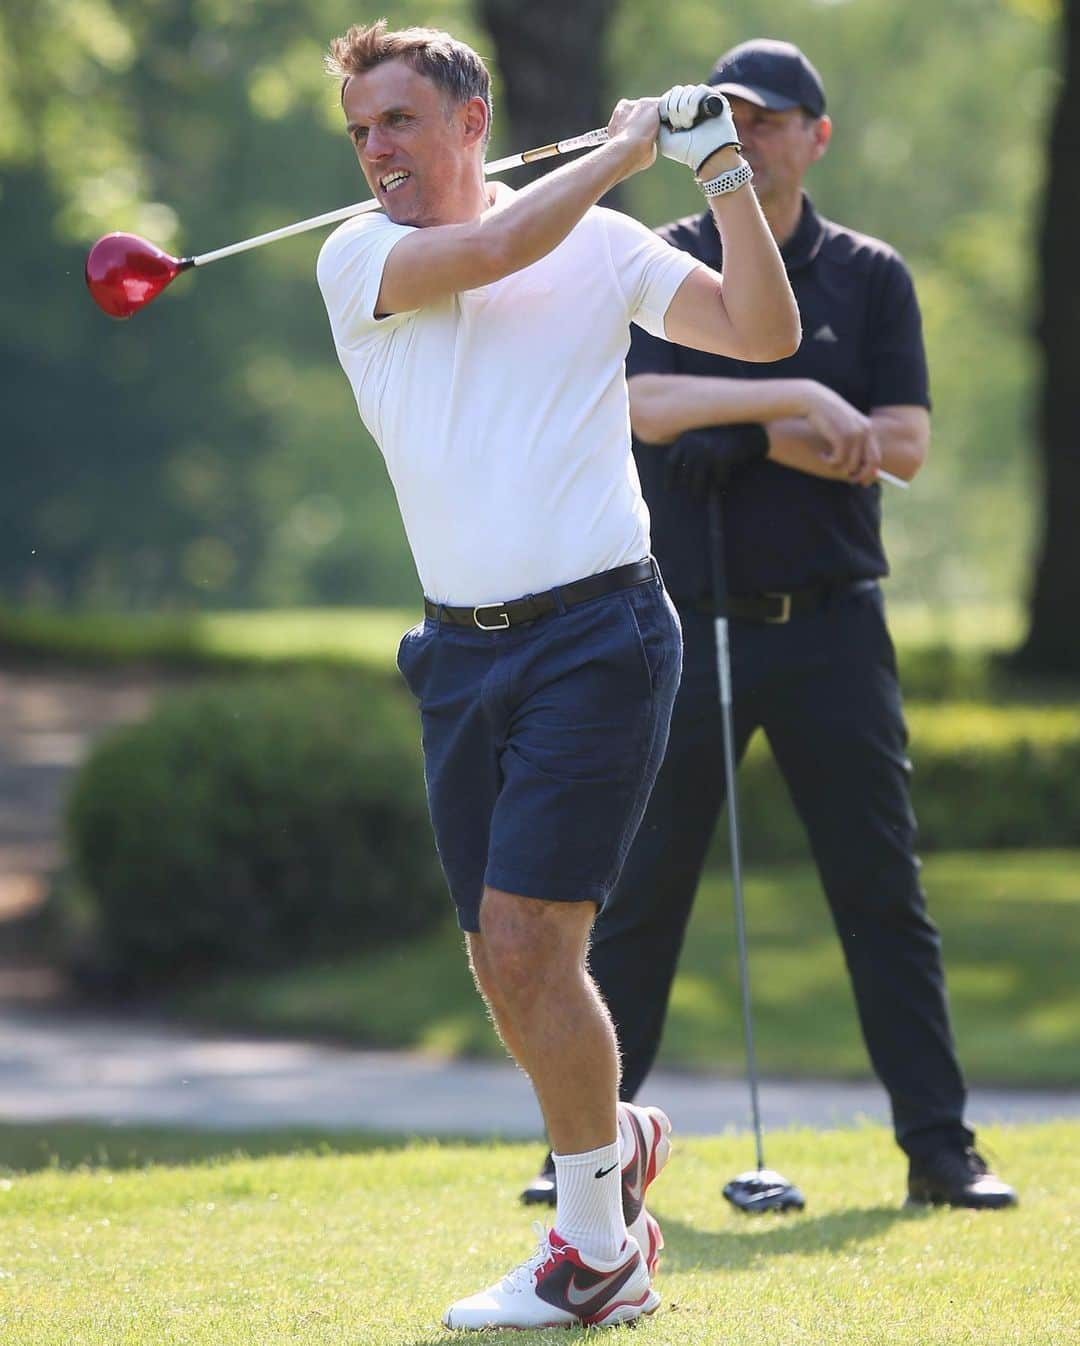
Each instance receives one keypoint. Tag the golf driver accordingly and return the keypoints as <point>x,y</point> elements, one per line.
<point>761,1189</point>
<point>125,272</point>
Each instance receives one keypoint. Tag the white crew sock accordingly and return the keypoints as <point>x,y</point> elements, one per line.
<point>589,1211</point>
<point>627,1137</point>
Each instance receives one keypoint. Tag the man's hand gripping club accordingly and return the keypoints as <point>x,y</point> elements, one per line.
<point>689,128</point>
<point>689,133</point>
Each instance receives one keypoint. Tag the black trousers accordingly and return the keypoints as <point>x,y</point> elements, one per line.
<point>824,689</point>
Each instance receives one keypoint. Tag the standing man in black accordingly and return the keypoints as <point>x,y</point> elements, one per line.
<point>795,448</point>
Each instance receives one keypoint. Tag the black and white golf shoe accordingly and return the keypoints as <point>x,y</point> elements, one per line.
<point>957,1178</point>
<point>541,1191</point>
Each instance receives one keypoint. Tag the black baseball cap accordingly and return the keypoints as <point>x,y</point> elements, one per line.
<point>770,74</point>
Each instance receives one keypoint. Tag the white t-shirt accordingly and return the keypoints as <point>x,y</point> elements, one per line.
<point>502,412</point>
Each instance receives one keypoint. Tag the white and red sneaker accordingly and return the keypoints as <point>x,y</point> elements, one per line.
<point>559,1287</point>
<point>650,1131</point>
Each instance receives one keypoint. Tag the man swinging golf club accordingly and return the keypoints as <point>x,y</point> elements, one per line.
<point>483,332</point>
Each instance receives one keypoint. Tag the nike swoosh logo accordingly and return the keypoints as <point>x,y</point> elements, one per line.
<point>578,1297</point>
<point>603,1172</point>
<point>633,1176</point>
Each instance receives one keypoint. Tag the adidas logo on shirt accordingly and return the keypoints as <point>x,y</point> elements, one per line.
<point>825,333</point>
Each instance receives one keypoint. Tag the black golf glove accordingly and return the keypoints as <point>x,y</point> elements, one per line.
<point>701,461</point>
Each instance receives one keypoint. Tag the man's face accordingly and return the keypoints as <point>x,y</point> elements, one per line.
<point>779,146</point>
<point>415,147</point>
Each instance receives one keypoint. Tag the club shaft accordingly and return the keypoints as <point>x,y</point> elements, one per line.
<point>590,140</point>
<point>727,719</point>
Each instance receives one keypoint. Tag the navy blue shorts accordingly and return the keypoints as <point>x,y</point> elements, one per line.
<point>542,742</point>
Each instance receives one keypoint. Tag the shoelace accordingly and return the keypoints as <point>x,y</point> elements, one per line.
<point>524,1277</point>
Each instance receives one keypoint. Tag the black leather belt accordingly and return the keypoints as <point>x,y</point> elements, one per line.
<point>777,608</point>
<point>501,616</point>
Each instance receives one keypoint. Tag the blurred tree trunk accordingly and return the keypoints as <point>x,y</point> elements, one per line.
<point>554,75</point>
<point>1053,641</point>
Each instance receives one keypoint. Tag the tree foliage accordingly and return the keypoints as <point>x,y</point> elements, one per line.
<point>533,41</point>
<point>208,452</point>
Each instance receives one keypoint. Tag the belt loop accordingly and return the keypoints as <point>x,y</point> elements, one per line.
<point>560,606</point>
<point>438,617</point>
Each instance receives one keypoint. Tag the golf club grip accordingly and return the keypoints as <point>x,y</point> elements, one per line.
<point>712,106</point>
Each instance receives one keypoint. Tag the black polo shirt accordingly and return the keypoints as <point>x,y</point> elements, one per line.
<point>862,337</point>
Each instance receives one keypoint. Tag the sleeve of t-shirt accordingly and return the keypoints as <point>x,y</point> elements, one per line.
<point>648,270</point>
<point>350,272</point>
<point>649,354</point>
<point>899,375</point>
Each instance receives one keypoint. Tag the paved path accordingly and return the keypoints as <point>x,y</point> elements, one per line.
<point>55,1066</point>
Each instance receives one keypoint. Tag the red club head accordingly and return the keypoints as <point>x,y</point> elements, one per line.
<point>124,272</point>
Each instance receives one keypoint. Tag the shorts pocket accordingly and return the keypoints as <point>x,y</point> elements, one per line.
<point>410,646</point>
<point>657,632</point>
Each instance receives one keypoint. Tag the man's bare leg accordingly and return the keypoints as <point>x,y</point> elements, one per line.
<point>529,960</point>
<point>499,1011</point>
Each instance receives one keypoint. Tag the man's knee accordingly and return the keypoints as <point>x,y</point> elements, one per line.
<point>526,942</point>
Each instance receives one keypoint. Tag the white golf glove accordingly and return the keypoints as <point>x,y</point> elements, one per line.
<point>680,139</point>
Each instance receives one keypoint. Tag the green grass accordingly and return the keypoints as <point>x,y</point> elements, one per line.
<point>1010,923</point>
<point>182,1242</point>
<point>368,634</point>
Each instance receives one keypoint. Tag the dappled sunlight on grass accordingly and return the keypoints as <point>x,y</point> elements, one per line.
<point>369,635</point>
<point>971,626</point>
<point>1051,876</point>
<point>1055,1024</point>
<point>987,983</point>
<point>1009,920</point>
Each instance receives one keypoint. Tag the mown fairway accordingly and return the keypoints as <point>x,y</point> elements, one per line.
<point>352,1244</point>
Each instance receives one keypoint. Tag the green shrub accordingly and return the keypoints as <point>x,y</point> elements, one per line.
<point>257,822</point>
<point>985,777</point>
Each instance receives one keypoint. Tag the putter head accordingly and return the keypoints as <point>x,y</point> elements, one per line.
<point>763,1189</point>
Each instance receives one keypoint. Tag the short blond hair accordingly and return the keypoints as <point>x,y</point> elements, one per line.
<point>451,65</point>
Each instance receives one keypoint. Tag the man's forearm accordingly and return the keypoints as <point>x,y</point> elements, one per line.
<point>663,406</point>
<point>901,435</point>
<point>796,444</point>
<point>748,313</point>
<point>542,214</point>
<point>757,292</point>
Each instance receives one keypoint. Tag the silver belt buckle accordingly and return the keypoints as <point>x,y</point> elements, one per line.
<point>504,625</point>
<point>785,609</point>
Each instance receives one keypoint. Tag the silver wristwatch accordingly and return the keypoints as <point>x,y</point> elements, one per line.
<point>729,181</point>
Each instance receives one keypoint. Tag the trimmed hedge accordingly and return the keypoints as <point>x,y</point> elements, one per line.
<point>264,821</point>
<point>985,777</point>
<point>256,823</point>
